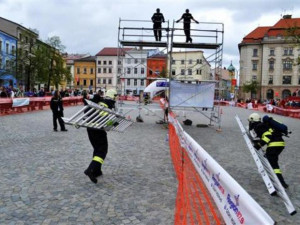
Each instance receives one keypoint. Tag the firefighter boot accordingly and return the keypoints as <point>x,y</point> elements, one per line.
<point>280,178</point>
<point>91,171</point>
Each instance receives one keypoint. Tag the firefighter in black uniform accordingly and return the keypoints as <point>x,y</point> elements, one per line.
<point>98,139</point>
<point>270,137</point>
<point>57,108</point>
<point>187,17</point>
<point>157,19</point>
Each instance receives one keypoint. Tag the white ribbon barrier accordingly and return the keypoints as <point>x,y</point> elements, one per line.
<point>234,203</point>
<point>20,102</point>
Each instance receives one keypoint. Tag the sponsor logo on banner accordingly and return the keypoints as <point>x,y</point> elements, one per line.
<point>233,206</point>
<point>217,187</point>
<point>205,170</point>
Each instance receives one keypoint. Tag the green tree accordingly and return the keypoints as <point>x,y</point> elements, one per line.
<point>24,64</point>
<point>57,70</point>
<point>163,73</point>
<point>250,86</point>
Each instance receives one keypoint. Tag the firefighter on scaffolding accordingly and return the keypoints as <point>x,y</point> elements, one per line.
<point>187,17</point>
<point>157,19</point>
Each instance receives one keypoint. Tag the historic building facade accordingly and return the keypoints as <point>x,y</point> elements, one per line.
<point>85,73</point>
<point>269,56</point>
<point>8,46</point>
<point>190,66</point>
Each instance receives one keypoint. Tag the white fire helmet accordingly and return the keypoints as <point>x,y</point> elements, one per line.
<point>254,117</point>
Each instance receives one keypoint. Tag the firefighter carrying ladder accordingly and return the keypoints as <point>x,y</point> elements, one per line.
<point>98,117</point>
<point>266,171</point>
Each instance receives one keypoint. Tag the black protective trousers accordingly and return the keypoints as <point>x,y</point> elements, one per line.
<point>187,32</point>
<point>57,116</point>
<point>157,31</point>
<point>98,139</point>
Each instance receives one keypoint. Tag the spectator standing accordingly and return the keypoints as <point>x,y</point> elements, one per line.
<point>56,106</point>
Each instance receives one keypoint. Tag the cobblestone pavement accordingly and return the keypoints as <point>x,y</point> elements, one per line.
<point>42,180</point>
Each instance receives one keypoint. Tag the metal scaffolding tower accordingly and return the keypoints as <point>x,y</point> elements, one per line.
<point>206,36</point>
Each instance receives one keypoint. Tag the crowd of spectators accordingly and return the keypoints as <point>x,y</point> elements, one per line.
<point>14,92</point>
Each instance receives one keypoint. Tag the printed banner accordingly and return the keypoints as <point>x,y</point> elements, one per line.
<point>192,95</point>
<point>20,102</point>
<point>233,202</point>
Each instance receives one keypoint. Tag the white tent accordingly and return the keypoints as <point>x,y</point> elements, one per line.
<point>153,89</point>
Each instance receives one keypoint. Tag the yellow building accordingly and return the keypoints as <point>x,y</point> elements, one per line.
<point>190,66</point>
<point>85,73</point>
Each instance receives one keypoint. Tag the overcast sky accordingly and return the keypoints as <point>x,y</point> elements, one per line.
<point>87,26</point>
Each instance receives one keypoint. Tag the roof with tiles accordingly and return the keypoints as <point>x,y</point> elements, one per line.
<point>280,28</point>
<point>112,51</point>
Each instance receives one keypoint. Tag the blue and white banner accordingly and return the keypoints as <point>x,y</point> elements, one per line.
<point>20,102</point>
<point>233,202</point>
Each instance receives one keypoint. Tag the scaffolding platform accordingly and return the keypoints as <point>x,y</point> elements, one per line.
<point>195,45</point>
<point>144,44</point>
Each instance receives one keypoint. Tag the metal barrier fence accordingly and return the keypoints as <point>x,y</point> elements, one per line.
<point>7,106</point>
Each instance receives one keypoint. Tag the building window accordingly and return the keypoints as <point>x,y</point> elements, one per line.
<point>99,62</point>
<point>128,61</point>
<point>128,70</point>
<point>104,70</point>
<point>142,70</point>
<point>84,82</point>
<point>143,61</point>
<point>182,62</point>
<point>173,72</point>
<point>128,82</point>
<point>109,70</point>
<point>198,72</point>
<point>92,70</point>
<point>104,62</point>
<point>298,79</point>
<point>254,77</point>
<point>271,65</point>
<point>84,70</point>
<point>136,61</point>
<point>288,51</point>
<point>182,72</point>
<point>99,70</point>
<point>142,82</point>
<point>119,62</point>
<point>78,70</point>
<point>78,83</point>
<point>190,71</point>
<point>91,82</point>
<point>254,65</point>
<point>270,79</point>
<point>109,81</point>
<point>150,72</point>
<point>286,79</point>
<point>287,64</point>
<point>109,62</point>
<point>119,70</point>
<point>135,70</point>
<point>135,82</point>
<point>0,46</point>
<point>173,61</point>
<point>255,52</point>
<point>199,61</point>
<point>272,52</point>
<point>7,48</point>
<point>13,50</point>
<point>190,61</point>
<point>99,80</point>
<point>104,81</point>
